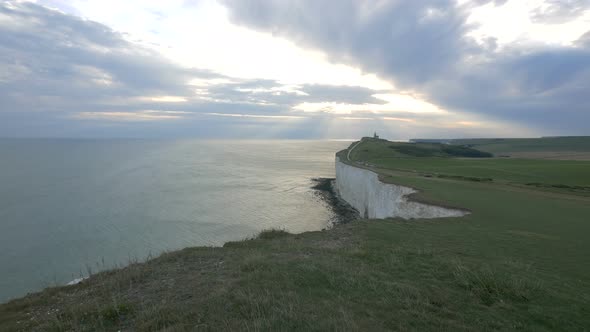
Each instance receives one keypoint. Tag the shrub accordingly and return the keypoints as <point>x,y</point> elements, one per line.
<point>269,234</point>
<point>439,150</point>
<point>464,151</point>
<point>492,286</point>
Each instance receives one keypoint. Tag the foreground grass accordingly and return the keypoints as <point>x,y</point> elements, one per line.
<point>373,275</point>
<point>518,262</point>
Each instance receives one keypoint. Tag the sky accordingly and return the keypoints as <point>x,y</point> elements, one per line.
<point>317,69</point>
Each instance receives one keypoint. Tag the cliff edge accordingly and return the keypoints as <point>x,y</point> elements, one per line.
<point>374,199</point>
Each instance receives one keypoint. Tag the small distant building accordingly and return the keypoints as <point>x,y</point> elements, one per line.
<point>375,136</point>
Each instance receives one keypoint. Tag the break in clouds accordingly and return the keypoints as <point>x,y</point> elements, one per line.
<point>59,72</point>
<point>423,46</point>
<point>61,75</point>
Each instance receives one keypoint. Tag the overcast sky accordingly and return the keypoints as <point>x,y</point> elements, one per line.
<point>294,68</point>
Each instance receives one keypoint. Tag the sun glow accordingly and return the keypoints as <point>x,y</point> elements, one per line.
<point>393,103</point>
<point>166,99</point>
<point>257,116</point>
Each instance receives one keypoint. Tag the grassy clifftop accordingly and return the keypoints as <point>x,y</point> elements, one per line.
<point>569,175</point>
<point>371,148</point>
<point>507,145</point>
<point>518,262</point>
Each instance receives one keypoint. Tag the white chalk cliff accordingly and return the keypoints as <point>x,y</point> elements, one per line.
<point>374,199</point>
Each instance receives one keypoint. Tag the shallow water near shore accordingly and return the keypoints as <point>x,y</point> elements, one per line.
<point>71,206</point>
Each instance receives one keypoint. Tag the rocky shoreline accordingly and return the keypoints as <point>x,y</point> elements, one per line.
<point>343,212</point>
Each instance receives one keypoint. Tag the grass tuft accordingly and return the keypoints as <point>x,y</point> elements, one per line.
<point>115,313</point>
<point>492,286</point>
<point>270,234</point>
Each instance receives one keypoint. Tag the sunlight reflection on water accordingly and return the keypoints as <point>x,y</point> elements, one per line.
<point>66,205</point>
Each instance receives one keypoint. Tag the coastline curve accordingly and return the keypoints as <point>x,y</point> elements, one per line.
<point>363,190</point>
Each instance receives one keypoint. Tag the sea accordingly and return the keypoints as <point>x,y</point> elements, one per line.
<point>72,207</point>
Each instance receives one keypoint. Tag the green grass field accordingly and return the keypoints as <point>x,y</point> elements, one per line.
<point>559,148</point>
<point>550,175</point>
<point>519,261</point>
<point>506,145</point>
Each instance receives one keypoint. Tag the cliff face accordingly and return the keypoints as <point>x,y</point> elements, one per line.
<point>374,199</point>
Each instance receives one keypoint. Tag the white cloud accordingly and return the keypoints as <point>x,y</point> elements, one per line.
<point>93,74</point>
<point>355,118</point>
<point>390,118</point>
<point>513,23</point>
<point>147,115</point>
<point>524,72</point>
<point>201,35</point>
<point>257,116</point>
<point>319,67</point>
<point>393,103</point>
<point>165,99</point>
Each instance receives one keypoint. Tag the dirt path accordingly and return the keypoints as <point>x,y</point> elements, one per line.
<point>350,150</point>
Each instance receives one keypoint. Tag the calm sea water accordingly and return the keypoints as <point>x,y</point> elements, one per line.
<point>70,205</point>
